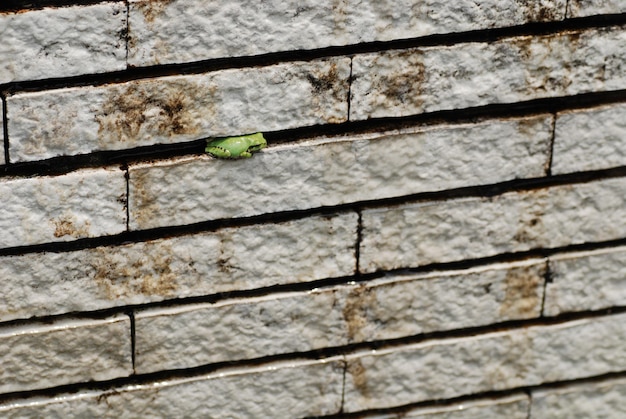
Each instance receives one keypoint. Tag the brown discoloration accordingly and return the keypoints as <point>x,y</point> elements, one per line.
<point>67,226</point>
<point>359,302</point>
<point>124,275</point>
<point>137,111</point>
<point>151,9</point>
<point>539,12</point>
<point>531,229</point>
<point>327,88</point>
<point>404,86</point>
<point>142,197</point>
<point>359,377</point>
<point>522,294</point>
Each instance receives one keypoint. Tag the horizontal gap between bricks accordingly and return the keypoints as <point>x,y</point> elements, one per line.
<point>485,397</point>
<point>28,5</point>
<point>160,152</point>
<point>440,268</point>
<point>319,354</point>
<point>478,191</point>
<point>198,67</point>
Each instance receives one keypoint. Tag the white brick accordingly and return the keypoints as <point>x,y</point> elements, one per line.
<point>406,82</point>
<point>494,361</point>
<point>590,139</point>
<point>83,203</point>
<point>586,281</point>
<point>43,355</point>
<point>62,42</point>
<point>474,227</point>
<point>332,171</point>
<point>177,108</point>
<point>581,8</point>
<point>604,399</point>
<point>225,260</point>
<point>190,336</point>
<point>2,159</point>
<point>179,31</point>
<point>295,389</point>
<point>513,407</point>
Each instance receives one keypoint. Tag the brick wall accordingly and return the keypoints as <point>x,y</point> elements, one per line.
<point>437,228</point>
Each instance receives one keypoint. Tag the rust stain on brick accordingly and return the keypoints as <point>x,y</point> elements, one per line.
<point>531,229</point>
<point>404,86</point>
<point>142,197</point>
<point>359,377</point>
<point>151,9</point>
<point>66,226</point>
<point>134,273</point>
<point>358,303</point>
<point>539,12</point>
<point>326,89</point>
<point>522,297</point>
<point>135,111</point>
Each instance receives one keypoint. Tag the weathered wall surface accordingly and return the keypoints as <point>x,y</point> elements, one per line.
<point>436,230</point>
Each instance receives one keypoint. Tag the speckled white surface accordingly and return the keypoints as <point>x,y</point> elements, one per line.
<point>83,203</point>
<point>62,42</point>
<point>181,31</point>
<point>47,355</point>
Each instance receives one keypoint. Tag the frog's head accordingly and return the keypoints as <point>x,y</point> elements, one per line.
<point>256,142</point>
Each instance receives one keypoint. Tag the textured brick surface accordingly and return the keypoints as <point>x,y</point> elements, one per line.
<point>83,203</point>
<point>62,42</point>
<point>177,108</point>
<point>493,361</point>
<point>184,337</point>
<point>406,82</point>
<point>586,281</point>
<point>337,170</point>
<point>590,139</point>
<point>182,31</point>
<point>42,355</point>
<point>295,389</point>
<point>474,227</point>
<point>513,407</point>
<point>225,260</point>
<point>603,399</point>
<point>581,8</point>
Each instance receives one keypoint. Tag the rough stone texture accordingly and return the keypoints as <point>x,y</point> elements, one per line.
<point>338,170</point>
<point>465,228</point>
<point>184,337</point>
<point>604,399</point>
<point>225,260</point>
<point>83,203</point>
<point>581,8</point>
<point>177,108</point>
<point>513,407</point>
<point>412,81</point>
<point>181,31</point>
<point>62,42</point>
<point>493,361</point>
<point>586,281</point>
<point>590,139</point>
<point>44,355</point>
<point>294,389</point>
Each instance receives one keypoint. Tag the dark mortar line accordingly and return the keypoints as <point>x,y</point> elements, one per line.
<point>127,197</point>
<point>529,394</point>
<point>343,388</point>
<point>477,191</point>
<point>26,5</point>
<point>547,279</point>
<point>551,149</point>
<point>357,244</point>
<point>402,410</point>
<point>162,152</point>
<point>312,355</point>
<point>261,60</point>
<point>5,128</point>
<point>567,2</point>
<point>133,342</point>
<point>350,80</point>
